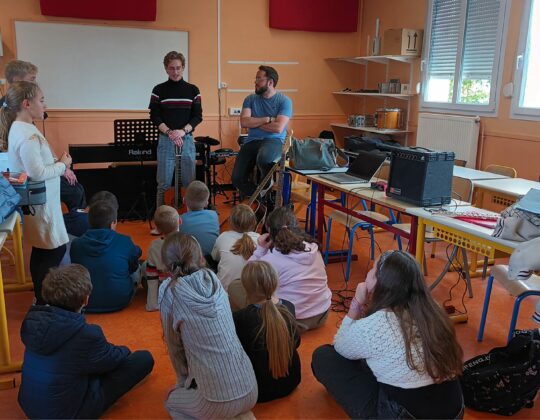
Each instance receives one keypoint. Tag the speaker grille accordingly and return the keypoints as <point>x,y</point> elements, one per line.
<point>422,178</point>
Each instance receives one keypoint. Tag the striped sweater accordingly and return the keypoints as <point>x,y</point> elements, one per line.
<point>201,337</point>
<point>175,104</point>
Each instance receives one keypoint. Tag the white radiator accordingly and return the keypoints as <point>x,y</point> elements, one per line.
<point>450,133</point>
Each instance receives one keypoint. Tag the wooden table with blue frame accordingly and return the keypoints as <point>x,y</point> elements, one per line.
<point>363,192</point>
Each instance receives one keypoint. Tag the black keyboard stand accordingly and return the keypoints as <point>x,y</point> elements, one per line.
<point>133,213</point>
<point>137,132</point>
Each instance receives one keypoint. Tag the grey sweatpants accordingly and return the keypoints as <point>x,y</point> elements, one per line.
<point>183,403</point>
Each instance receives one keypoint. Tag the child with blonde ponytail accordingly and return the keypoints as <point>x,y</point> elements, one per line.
<point>29,151</point>
<point>267,331</point>
<point>234,247</point>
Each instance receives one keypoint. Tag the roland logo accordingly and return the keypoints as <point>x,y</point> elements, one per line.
<point>140,152</point>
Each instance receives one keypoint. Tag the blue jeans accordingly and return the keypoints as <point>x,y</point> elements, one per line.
<point>263,153</point>
<point>166,161</point>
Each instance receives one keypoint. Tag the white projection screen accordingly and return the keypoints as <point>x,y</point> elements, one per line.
<point>92,67</point>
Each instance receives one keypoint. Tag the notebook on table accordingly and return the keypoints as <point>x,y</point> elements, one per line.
<point>361,170</point>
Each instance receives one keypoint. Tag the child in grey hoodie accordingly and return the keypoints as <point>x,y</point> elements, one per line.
<point>215,378</point>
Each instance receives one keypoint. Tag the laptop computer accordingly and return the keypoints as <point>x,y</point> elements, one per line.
<point>361,170</point>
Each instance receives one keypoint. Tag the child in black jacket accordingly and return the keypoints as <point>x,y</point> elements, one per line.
<point>70,370</point>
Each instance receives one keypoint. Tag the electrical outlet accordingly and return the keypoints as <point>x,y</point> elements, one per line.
<point>235,112</point>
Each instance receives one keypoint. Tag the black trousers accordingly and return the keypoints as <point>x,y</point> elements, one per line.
<point>73,196</point>
<point>41,261</point>
<point>263,153</point>
<point>352,384</point>
<point>117,382</point>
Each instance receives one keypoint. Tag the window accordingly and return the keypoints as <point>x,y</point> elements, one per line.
<point>526,97</point>
<point>463,55</point>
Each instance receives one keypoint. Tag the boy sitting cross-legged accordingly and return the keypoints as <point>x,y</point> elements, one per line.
<point>167,221</point>
<point>111,258</point>
<point>198,222</point>
<point>70,370</point>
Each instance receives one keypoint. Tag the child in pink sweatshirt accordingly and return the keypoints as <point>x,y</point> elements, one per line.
<point>302,274</point>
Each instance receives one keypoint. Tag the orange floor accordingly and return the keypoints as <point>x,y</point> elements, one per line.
<point>139,329</point>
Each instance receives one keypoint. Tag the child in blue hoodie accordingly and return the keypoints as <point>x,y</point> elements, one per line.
<point>202,224</point>
<point>70,370</point>
<point>110,257</point>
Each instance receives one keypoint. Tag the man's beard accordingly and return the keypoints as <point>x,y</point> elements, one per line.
<point>261,90</point>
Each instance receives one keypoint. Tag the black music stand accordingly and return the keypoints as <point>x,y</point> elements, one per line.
<point>206,142</point>
<point>217,187</point>
<point>137,132</point>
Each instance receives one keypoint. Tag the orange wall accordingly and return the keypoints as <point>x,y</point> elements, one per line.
<point>505,141</point>
<point>245,35</point>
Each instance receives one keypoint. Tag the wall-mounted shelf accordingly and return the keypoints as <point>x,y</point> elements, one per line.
<point>386,60</point>
<point>370,129</point>
<point>381,59</point>
<point>387,95</point>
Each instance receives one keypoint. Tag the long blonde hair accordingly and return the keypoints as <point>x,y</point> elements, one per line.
<point>260,280</point>
<point>243,220</point>
<point>16,94</point>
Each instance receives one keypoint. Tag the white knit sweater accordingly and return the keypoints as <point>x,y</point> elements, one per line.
<point>378,339</point>
<point>29,151</point>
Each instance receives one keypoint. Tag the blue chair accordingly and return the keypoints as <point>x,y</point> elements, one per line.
<point>351,225</point>
<point>520,289</point>
<point>301,194</point>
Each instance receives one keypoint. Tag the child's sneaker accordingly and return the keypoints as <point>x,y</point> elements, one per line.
<point>152,295</point>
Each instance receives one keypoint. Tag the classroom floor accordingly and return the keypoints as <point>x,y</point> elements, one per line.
<point>139,329</point>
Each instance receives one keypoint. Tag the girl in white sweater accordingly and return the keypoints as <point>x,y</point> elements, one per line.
<point>29,151</point>
<point>395,354</point>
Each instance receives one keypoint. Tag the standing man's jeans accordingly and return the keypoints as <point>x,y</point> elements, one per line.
<point>263,153</point>
<point>166,161</point>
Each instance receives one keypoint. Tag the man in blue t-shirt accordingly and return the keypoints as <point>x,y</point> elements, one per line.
<point>265,114</point>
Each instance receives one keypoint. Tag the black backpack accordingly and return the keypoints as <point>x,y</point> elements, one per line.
<point>506,379</point>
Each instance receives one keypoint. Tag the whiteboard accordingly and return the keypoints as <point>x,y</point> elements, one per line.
<point>97,67</point>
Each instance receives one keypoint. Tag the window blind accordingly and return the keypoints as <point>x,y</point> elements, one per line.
<point>480,39</point>
<point>446,19</point>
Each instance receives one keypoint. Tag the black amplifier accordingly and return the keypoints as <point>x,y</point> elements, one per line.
<point>421,177</point>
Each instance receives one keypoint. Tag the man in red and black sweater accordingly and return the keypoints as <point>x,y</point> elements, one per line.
<point>175,108</point>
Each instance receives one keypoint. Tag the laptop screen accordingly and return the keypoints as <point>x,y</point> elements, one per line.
<point>366,164</point>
